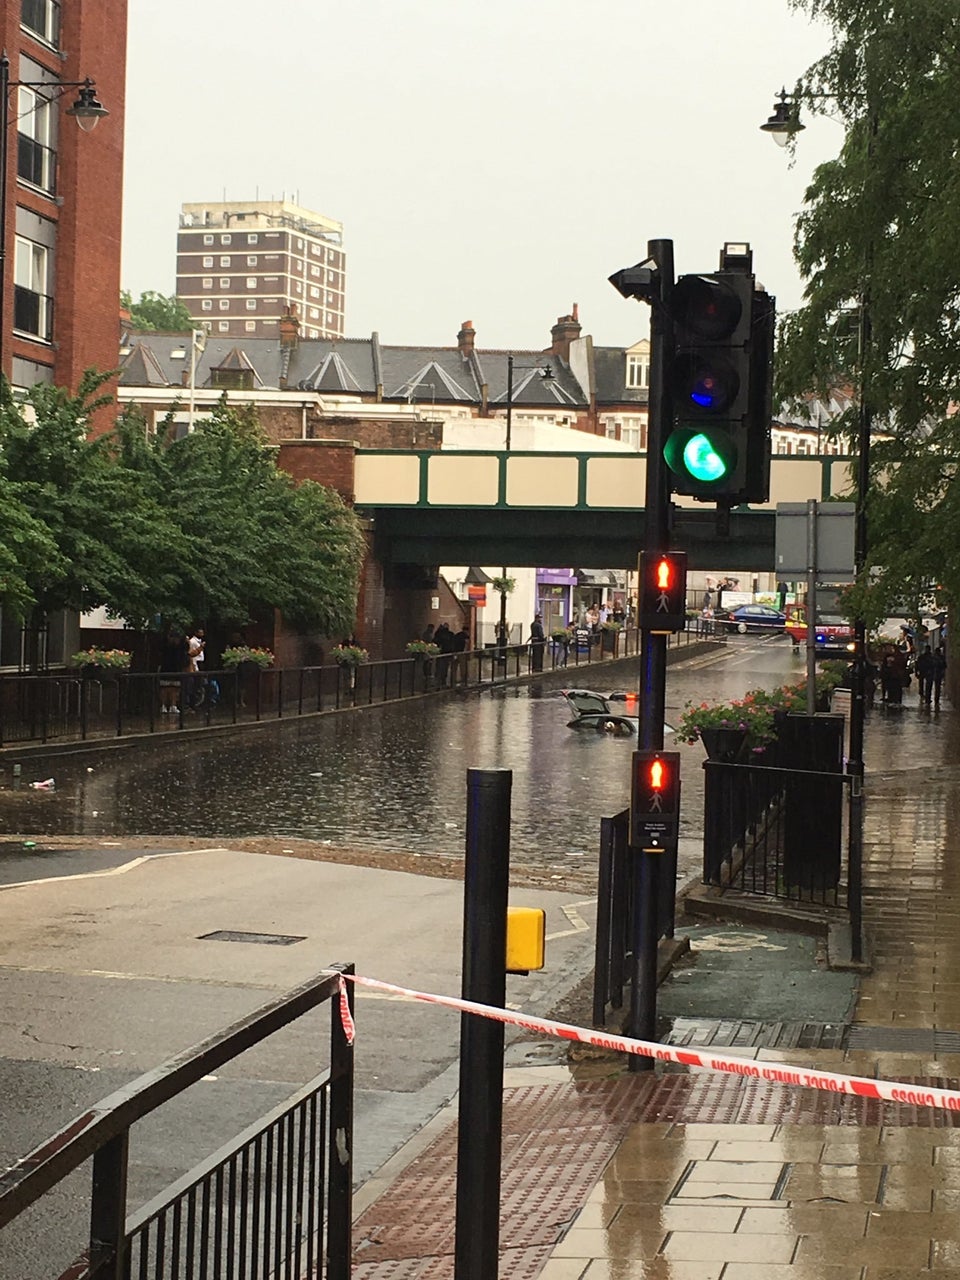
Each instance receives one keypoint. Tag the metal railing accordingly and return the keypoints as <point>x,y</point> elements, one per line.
<point>616,928</point>
<point>276,1201</point>
<point>89,703</point>
<point>773,831</point>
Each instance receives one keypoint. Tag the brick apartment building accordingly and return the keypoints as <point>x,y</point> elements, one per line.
<point>63,190</point>
<point>242,264</point>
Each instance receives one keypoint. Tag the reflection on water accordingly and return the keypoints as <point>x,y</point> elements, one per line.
<point>393,777</point>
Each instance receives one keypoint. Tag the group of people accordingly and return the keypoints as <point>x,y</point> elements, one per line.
<point>451,663</point>
<point>182,680</point>
<point>899,662</point>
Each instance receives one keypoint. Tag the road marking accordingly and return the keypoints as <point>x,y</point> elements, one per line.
<point>112,871</point>
<point>575,918</point>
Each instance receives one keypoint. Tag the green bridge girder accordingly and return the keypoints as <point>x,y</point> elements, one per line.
<point>524,537</point>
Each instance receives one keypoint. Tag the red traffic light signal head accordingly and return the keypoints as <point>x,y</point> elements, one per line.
<point>663,590</point>
<point>706,308</point>
<point>655,800</point>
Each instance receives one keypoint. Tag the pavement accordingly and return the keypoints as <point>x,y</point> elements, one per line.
<point>680,1174</point>
<point>671,1174</point>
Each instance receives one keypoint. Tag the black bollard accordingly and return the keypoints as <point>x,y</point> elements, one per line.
<point>486,883</point>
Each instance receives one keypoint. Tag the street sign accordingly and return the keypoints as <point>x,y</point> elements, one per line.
<point>834,541</point>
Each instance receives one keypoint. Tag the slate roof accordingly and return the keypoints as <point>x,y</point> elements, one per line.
<point>357,366</point>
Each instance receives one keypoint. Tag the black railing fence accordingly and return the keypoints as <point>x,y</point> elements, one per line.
<point>276,1201</point>
<point>97,703</point>
<point>774,831</point>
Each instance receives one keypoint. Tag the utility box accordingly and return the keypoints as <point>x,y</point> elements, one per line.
<point>526,939</point>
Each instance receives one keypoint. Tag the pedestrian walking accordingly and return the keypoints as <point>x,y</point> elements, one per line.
<point>925,666</point>
<point>461,642</point>
<point>444,640</point>
<point>938,674</point>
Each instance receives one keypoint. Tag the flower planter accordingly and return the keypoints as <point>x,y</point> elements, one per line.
<point>726,745</point>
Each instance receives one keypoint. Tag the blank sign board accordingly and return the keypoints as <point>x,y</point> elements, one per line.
<point>836,523</point>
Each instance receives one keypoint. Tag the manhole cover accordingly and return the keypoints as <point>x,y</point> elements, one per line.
<point>237,935</point>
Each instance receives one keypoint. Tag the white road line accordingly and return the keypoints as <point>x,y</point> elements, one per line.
<point>576,920</point>
<point>110,871</point>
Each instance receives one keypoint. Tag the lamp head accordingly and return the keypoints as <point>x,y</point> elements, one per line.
<point>785,121</point>
<point>88,109</point>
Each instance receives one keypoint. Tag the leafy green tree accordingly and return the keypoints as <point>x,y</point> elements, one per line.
<point>156,311</point>
<point>77,531</point>
<point>248,540</point>
<point>881,223</point>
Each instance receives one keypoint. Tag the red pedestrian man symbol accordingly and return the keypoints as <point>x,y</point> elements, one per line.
<point>663,586</point>
<point>656,786</point>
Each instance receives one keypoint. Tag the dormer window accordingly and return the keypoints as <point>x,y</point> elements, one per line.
<point>638,372</point>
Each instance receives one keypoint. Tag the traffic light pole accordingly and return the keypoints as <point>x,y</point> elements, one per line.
<point>653,652</point>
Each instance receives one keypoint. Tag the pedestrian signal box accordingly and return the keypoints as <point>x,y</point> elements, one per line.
<point>663,591</point>
<point>526,939</point>
<point>655,801</point>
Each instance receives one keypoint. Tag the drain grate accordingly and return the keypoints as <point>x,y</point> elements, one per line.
<point>237,935</point>
<point>902,1039</point>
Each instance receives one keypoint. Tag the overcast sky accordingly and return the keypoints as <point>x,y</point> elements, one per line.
<point>492,161</point>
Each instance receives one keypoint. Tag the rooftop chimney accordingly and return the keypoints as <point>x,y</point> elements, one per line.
<point>466,337</point>
<point>565,331</point>
<point>289,328</point>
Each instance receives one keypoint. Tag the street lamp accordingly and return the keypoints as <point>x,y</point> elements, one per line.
<point>783,125</point>
<point>546,375</point>
<point>87,110</point>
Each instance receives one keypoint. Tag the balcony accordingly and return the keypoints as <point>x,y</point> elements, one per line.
<point>32,313</point>
<point>36,164</point>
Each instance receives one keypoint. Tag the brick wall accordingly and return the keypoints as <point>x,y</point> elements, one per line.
<point>328,462</point>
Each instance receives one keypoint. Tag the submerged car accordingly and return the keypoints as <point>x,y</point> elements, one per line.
<point>752,617</point>
<point>602,712</point>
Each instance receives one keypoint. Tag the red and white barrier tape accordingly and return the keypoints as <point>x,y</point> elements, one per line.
<point>773,1072</point>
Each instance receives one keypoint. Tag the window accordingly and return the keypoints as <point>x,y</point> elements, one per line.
<point>224,282</point>
<point>251,304</point>
<point>314,293</point>
<point>223,326</point>
<point>251,282</point>
<point>207,261</point>
<point>638,371</point>
<point>298,287</point>
<point>252,237</point>
<point>42,18</point>
<point>208,239</point>
<point>250,326</point>
<point>32,304</point>
<point>299,244</point>
<point>36,158</point>
<point>207,282</point>
<point>225,260</point>
<point>610,428</point>
<point>631,436</point>
<point>224,304</point>
<point>331,277</point>
<point>331,299</point>
<point>314,313</point>
<point>225,239</point>
<point>251,259</point>
<point>331,319</point>
<point>314,271</point>
<point>206,304</point>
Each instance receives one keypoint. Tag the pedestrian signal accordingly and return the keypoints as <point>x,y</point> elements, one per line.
<point>663,591</point>
<point>655,801</point>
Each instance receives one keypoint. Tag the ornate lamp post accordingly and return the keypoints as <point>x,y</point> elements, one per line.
<point>783,125</point>
<point>87,110</point>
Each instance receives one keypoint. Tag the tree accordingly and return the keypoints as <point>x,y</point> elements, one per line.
<point>156,311</point>
<point>247,540</point>
<point>880,223</point>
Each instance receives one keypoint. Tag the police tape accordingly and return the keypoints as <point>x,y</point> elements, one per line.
<point>773,1073</point>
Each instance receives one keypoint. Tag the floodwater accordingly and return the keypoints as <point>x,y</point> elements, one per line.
<point>394,777</point>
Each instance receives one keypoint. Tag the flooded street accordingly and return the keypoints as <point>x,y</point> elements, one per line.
<point>393,777</point>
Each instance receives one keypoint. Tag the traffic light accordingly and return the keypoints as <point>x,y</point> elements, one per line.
<point>663,591</point>
<point>718,445</point>
<point>655,801</point>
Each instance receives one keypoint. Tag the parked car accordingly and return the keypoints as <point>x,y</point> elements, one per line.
<point>753,617</point>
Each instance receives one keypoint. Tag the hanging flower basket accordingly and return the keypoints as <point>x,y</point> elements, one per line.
<point>102,659</point>
<point>242,653</point>
<point>504,585</point>
<point>349,655</point>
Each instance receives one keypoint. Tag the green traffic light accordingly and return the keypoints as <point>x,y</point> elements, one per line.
<point>702,461</point>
